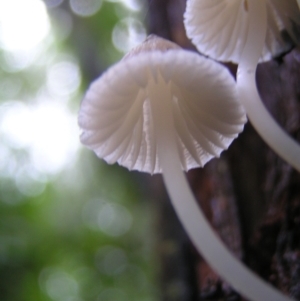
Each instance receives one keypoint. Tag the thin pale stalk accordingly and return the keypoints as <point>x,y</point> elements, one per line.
<point>192,218</point>
<point>287,148</point>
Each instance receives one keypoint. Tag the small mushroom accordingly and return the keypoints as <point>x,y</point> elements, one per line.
<point>245,32</point>
<point>164,109</point>
<point>219,28</point>
<point>119,114</point>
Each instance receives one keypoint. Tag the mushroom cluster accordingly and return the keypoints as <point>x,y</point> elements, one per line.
<point>246,32</point>
<point>162,109</point>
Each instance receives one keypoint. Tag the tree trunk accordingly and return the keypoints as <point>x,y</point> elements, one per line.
<point>250,196</point>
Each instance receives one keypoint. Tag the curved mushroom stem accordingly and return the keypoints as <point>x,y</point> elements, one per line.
<point>258,115</point>
<point>190,214</point>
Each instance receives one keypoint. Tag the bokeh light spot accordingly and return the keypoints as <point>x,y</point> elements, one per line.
<point>128,33</point>
<point>15,61</point>
<point>133,5</point>
<point>85,8</point>
<point>28,182</point>
<point>47,130</point>
<point>58,284</point>
<point>63,78</point>
<point>111,218</point>
<point>15,124</point>
<point>23,24</point>
<point>114,219</point>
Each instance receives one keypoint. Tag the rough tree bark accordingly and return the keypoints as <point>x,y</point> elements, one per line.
<point>251,197</point>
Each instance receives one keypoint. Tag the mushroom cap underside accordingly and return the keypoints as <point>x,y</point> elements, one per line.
<point>218,28</point>
<point>117,122</point>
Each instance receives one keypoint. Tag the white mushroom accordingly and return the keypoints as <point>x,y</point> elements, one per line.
<point>167,110</point>
<point>118,113</point>
<point>245,32</point>
<point>219,28</point>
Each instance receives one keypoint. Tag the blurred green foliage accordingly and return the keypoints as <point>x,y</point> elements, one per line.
<point>82,231</point>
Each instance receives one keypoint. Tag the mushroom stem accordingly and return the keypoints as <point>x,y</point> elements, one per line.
<point>258,115</point>
<point>192,218</point>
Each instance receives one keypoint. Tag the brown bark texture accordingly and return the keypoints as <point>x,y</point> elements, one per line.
<point>250,196</point>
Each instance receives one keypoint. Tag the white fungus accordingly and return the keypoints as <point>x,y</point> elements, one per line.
<point>245,32</point>
<point>117,113</point>
<point>219,28</point>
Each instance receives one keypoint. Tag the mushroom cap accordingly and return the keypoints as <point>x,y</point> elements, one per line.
<point>117,122</point>
<point>218,28</point>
